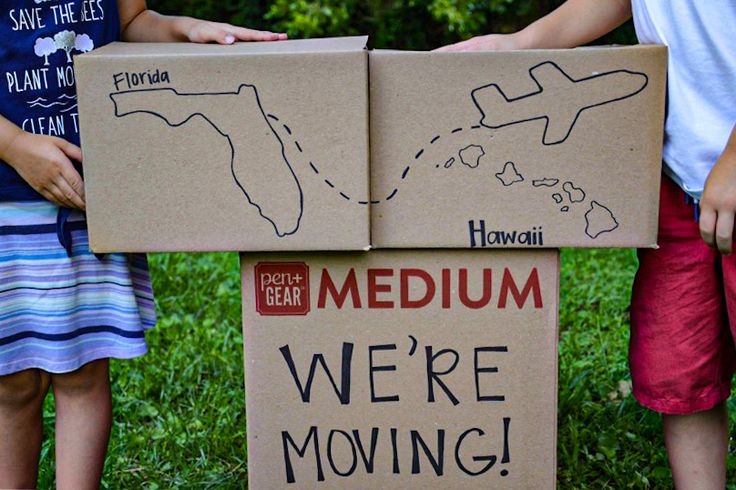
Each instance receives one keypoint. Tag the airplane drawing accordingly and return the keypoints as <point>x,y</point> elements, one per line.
<point>551,101</point>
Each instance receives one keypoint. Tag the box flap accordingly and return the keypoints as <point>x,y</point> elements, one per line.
<point>321,45</point>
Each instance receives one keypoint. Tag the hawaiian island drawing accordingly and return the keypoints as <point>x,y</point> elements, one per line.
<point>598,218</point>
<point>259,165</point>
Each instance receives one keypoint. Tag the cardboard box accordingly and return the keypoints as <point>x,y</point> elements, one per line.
<point>543,148</point>
<point>401,369</point>
<point>254,146</point>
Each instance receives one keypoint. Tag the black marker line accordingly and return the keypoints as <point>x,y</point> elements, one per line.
<point>540,89</point>
<point>345,196</point>
<point>329,183</point>
<point>390,196</point>
<point>419,153</point>
<point>288,129</point>
<point>298,146</point>
<point>273,117</point>
<point>457,130</point>
<point>434,139</point>
<point>120,114</point>
<point>406,171</point>
<point>314,168</point>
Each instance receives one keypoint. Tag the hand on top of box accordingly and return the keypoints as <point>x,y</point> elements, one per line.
<point>490,42</point>
<point>138,24</point>
<point>574,23</point>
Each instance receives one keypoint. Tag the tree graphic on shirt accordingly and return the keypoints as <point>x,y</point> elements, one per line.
<point>64,40</point>
<point>44,47</point>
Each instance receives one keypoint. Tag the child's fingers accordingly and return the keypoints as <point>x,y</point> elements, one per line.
<point>74,180</point>
<point>71,150</point>
<point>245,34</point>
<point>68,186</point>
<point>58,197</point>
<point>71,197</point>
<point>707,224</point>
<point>724,231</point>
<point>461,46</point>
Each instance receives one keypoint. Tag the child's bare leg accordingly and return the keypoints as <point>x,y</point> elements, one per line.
<point>83,418</point>
<point>696,446</point>
<point>21,427</point>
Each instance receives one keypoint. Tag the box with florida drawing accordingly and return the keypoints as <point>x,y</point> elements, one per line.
<point>254,146</point>
<point>541,148</point>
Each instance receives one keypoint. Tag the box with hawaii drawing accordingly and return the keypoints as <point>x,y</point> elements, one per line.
<point>541,148</point>
<point>254,146</point>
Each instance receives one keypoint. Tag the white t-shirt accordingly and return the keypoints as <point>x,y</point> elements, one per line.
<point>701,81</point>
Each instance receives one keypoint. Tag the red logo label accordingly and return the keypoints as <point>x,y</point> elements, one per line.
<point>282,288</point>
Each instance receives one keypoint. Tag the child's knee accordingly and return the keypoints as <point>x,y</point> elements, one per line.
<point>89,378</point>
<point>23,388</point>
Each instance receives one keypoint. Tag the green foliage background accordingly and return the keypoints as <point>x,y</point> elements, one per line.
<point>399,24</point>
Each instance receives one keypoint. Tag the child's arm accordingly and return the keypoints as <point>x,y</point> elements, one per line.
<point>574,23</point>
<point>138,24</point>
<point>718,205</point>
<point>45,163</point>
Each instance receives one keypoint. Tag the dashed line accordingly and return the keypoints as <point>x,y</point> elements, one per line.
<point>404,174</point>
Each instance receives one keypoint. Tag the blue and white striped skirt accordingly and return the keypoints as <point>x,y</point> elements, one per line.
<point>57,312</point>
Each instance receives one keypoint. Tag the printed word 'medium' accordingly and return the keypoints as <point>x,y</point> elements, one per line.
<point>407,288</point>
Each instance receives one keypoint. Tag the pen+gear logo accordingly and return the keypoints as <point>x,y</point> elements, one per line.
<point>282,288</point>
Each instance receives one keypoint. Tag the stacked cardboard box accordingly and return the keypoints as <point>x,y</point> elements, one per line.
<point>429,367</point>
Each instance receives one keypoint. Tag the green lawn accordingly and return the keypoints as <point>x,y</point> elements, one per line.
<point>179,411</point>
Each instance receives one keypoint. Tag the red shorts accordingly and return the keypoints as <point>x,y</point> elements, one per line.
<point>683,312</point>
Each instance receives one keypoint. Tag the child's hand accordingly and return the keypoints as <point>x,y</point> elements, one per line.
<point>490,42</point>
<point>718,203</point>
<point>203,31</point>
<point>44,162</point>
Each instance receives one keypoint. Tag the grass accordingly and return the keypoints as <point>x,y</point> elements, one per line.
<point>179,411</point>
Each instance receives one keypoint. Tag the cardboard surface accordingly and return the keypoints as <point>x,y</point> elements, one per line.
<point>553,148</point>
<point>401,369</point>
<point>254,146</point>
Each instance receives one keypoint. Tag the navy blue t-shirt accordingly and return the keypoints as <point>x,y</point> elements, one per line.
<point>37,92</point>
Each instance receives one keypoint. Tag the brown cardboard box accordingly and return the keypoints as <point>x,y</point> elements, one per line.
<point>553,148</point>
<point>399,369</point>
<point>254,146</point>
